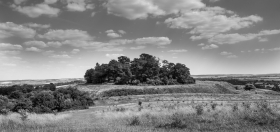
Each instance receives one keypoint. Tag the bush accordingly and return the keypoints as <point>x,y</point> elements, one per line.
<point>43,99</point>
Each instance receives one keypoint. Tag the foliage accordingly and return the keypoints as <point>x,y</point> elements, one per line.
<point>44,99</point>
<point>144,70</point>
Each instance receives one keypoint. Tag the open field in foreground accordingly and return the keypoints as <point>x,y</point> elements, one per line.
<point>246,111</point>
<point>202,112</point>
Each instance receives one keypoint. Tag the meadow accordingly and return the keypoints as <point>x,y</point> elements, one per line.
<point>215,110</point>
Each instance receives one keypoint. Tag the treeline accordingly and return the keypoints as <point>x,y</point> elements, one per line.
<point>231,81</point>
<point>42,99</point>
<point>144,70</point>
<point>69,83</point>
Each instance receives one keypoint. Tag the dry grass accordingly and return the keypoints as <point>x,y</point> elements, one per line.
<point>199,87</point>
<point>155,116</point>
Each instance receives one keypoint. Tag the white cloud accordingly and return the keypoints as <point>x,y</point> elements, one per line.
<point>78,5</point>
<point>75,51</point>
<point>262,39</point>
<point>33,49</point>
<point>141,9</point>
<point>69,34</point>
<point>260,50</point>
<point>159,41</point>
<point>93,14</point>
<point>210,21</point>
<point>232,56</point>
<point>19,1</point>
<point>178,51</point>
<point>202,44</point>
<point>211,46</point>
<point>236,38</point>
<point>35,25</point>
<point>226,53</point>
<point>137,47</point>
<point>54,44</point>
<point>214,0</point>
<point>275,49</point>
<point>9,52</point>
<point>114,56</point>
<point>110,48</point>
<point>10,29</point>
<point>122,32</point>
<point>50,1</point>
<point>39,44</point>
<point>7,46</point>
<point>62,56</point>
<point>113,34</point>
<point>37,10</point>
<point>48,53</point>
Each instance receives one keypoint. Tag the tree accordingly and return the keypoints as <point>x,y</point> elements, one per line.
<point>89,75</point>
<point>147,66</point>
<point>123,60</point>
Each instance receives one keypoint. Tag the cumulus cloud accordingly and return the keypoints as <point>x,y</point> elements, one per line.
<point>55,44</point>
<point>159,41</point>
<point>141,9</point>
<point>113,55</point>
<point>69,34</point>
<point>9,52</point>
<point>226,53</point>
<point>62,56</point>
<point>10,29</point>
<point>78,5</point>
<point>39,44</point>
<point>33,49</point>
<point>138,47</point>
<point>232,56</point>
<point>211,46</point>
<point>236,38</point>
<point>122,32</point>
<point>178,51</point>
<point>75,51</point>
<point>275,49</point>
<point>210,21</point>
<point>202,44</point>
<point>7,46</point>
<point>18,2</point>
<point>113,34</point>
<point>35,25</point>
<point>214,0</point>
<point>37,10</point>
<point>50,1</point>
<point>111,48</point>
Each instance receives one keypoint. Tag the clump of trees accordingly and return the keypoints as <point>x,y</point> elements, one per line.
<point>144,70</point>
<point>42,99</point>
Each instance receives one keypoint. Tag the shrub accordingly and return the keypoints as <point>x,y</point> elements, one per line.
<point>134,121</point>
<point>199,109</point>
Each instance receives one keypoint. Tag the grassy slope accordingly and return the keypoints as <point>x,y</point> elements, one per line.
<point>199,87</point>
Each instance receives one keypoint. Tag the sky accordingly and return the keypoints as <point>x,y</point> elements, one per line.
<point>49,39</point>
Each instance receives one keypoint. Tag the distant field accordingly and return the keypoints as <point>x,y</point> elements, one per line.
<point>37,82</point>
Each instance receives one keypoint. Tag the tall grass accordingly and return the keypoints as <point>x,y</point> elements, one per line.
<point>33,122</point>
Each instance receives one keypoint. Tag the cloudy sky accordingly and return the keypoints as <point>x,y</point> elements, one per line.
<point>62,38</point>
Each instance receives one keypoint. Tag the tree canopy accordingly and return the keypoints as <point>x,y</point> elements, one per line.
<point>146,69</point>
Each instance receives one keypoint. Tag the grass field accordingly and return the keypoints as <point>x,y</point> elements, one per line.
<point>246,111</point>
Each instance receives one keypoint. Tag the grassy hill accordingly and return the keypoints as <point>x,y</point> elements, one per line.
<point>124,90</point>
